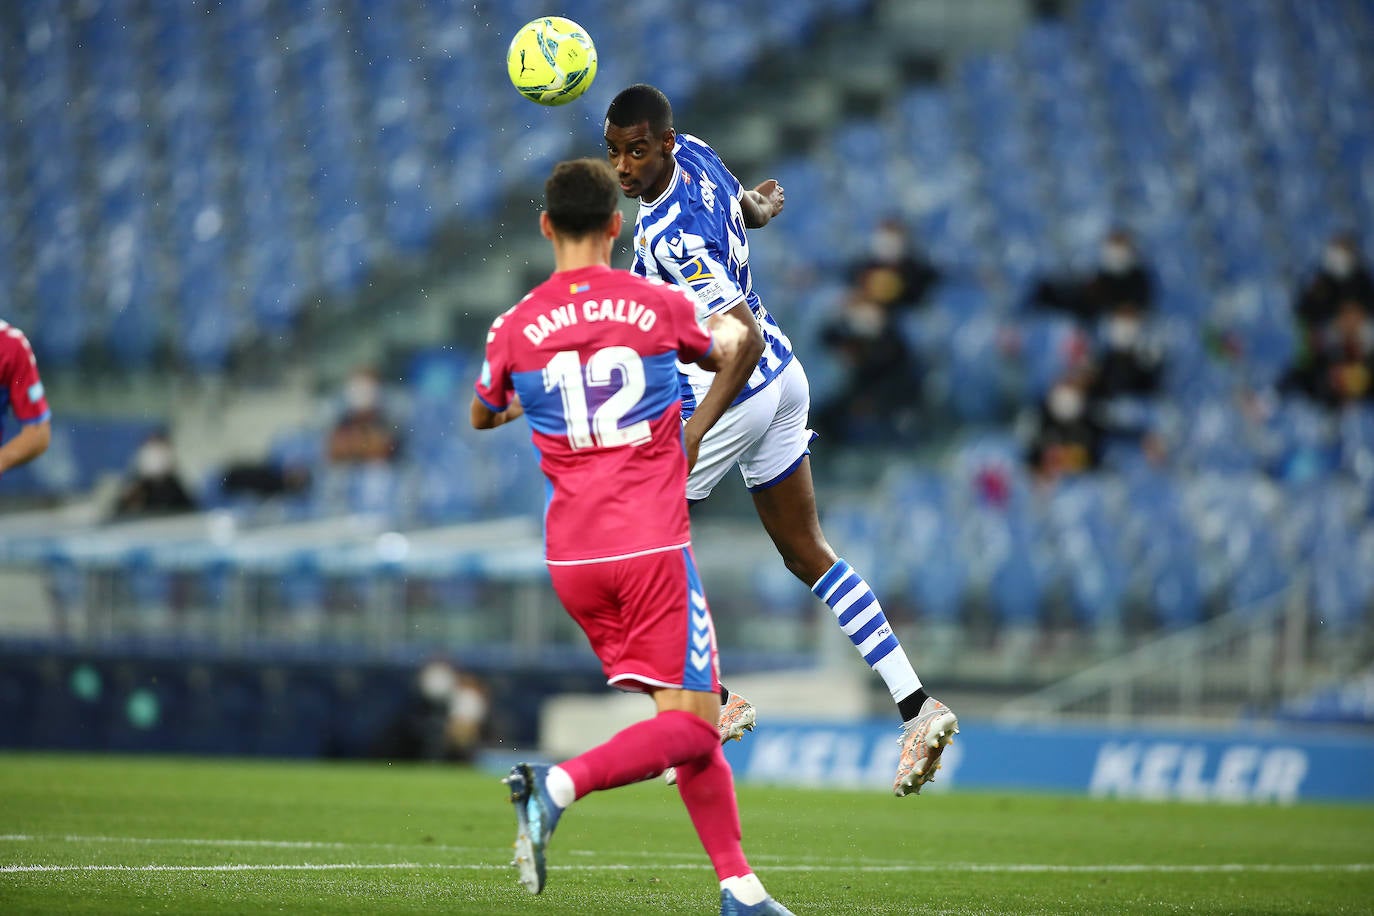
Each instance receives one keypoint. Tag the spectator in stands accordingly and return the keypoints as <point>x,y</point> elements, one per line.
<point>21,390</point>
<point>893,274</point>
<point>1130,361</point>
<point>1122,279</point>
<point>1340,368</point>
<point>1126,374</point>
<point>364,433</point>
<point>1065,439</point>
<point>155,487</point>
<point>445,719</point>
<point>876,398</point>
<point>880,373</point>
<point>1341,277</point>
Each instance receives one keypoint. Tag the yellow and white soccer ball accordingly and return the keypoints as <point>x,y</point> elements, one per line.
<point>551,60</point>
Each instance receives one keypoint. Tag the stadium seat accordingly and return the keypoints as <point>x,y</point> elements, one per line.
<point>1081,529</point>
<point>925,534</point>
<point>1015,586</point>
<point>1357,442</point>
<point>1162,549</point>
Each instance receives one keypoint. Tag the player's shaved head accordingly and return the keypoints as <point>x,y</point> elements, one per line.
<point>638,104</point>
<point>580,196</point>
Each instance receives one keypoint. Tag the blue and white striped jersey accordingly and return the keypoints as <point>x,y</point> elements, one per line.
<point>693,236</point>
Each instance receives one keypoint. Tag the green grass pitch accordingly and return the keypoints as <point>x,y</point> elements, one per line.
<point>167,835</point>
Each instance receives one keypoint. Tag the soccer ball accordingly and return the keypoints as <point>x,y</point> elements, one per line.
<point>551,60</point>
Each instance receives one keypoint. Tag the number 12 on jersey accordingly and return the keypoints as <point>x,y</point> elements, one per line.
<point>599,428</point>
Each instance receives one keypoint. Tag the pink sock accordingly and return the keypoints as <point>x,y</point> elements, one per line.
<point>642,751</point>
<point>708,790</point>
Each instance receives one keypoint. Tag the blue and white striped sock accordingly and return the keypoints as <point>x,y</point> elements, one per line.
<point>862,619</point>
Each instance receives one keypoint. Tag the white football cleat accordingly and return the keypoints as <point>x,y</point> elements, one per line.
<point>923,740</point>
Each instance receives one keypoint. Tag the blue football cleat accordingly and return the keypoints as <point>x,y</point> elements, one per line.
<point>536,815</point>
<point>729,906</point>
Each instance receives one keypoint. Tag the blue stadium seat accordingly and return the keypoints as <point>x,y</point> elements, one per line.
<point>1163,550</point>
<point>446,490</point>
<point>1082,530</point>
<point>924,535</point>
<point>1015,587</point>
<point>1302,444</point>
<point>1215,438</point>
<point>1356,431</point>
<point>977,379</point>
<point>1049,347</point>
<point>135,327</point>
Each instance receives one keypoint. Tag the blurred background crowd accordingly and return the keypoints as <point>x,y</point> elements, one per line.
<point>1083,290</point>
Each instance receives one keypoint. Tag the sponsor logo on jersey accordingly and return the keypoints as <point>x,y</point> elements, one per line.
<point>708,192</point>
<point>702,281</point>
<point>579,287</point>
<point>35,392</point>
<point>697,273</point>
<point>677,245</point>
<point>486,374</point>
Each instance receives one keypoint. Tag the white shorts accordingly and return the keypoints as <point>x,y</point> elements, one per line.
<point>766,436</point>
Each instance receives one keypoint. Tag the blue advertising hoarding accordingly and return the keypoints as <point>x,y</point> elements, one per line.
<point>1223,766</point>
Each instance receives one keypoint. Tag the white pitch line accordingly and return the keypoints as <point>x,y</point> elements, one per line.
<point>326,866</point>
<point>198,841</point>
<point>982,868</point>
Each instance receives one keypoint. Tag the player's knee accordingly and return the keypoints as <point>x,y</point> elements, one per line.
<point>710,756</point>
<point>808,565</point>
<point>795,565</point>
<point>699,734</point>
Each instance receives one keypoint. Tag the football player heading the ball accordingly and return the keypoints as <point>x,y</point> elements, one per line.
<point>691,230</point>
<point>590,358</point>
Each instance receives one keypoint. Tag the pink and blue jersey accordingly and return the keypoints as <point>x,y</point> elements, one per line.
<point>693,235</point>
<point>593,354</point>
<point>21,390</point>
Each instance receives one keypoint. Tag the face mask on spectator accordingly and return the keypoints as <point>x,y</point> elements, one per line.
<point>866,319</point>
<point>1338,261</point>
<point>154,459</point>
<point>888,246</point>
<point>438,681</point>
<point>1066,403</point>
<point>1122,331</point>
<point>361,393</point>
<point>1117,258</point>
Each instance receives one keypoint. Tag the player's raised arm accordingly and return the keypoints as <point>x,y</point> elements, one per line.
<point>762,203</point>
<point>735,351</point>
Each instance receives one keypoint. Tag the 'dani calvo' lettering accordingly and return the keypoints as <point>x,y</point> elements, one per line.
<point>624,311</point>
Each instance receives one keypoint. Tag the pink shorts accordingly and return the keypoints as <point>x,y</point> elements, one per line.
<point>646,618</point>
